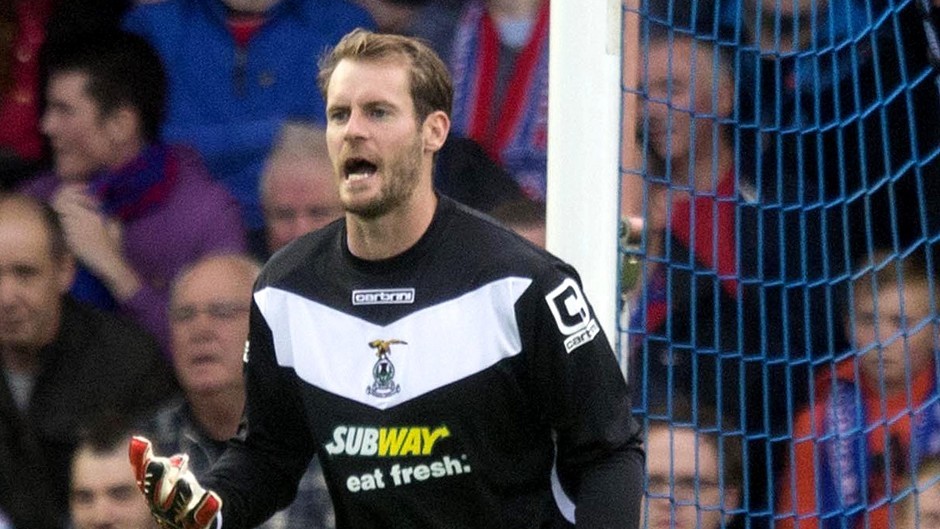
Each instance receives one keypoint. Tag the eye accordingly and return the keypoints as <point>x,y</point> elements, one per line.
<point>82,497</point>
<point>123,493</point>
<point>284,214</point>
<point>378,112</point>
<point>24,272</point>
<point>865,318</point>
<point>338,115</point>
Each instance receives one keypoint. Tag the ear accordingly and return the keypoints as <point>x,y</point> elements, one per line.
<point>123,125</point>
<point>65,275</point>
<point>434,130</point>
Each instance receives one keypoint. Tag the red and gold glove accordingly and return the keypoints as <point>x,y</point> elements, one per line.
<point>176,499</point>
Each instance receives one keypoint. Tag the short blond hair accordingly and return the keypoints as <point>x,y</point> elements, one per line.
<point>431,86</point>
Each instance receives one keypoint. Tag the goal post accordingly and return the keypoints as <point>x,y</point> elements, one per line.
<point>583,205</point>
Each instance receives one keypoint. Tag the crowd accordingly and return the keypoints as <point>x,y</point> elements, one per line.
<point>782,341</point>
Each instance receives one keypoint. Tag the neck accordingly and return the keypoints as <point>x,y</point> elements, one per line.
<point>24,360</point>
<point>126,152</point>
<point>513,8</point>
<point>706,171</point>
<point>395,232</point>
<point>219,413</point>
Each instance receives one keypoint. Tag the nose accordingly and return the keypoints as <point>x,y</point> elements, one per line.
<point>356,125</point>
<point>47,123</point>
<point>102,513</point>
<point>302,225</point>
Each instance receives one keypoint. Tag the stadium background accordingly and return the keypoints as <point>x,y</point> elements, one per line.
<point>838,140</point>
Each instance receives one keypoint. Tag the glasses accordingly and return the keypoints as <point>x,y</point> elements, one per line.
<point>679,487</point>
<point>222,310</point>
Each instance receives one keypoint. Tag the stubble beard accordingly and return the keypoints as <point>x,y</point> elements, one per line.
<point>401,176</point>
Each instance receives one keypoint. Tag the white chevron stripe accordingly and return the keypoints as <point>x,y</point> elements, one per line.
<point>445,343</point>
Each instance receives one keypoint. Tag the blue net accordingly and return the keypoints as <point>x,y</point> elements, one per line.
<point>780,311</point>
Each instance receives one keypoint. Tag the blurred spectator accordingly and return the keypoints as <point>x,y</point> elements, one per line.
<point>209,321</point>
<point>237,70</point>
<point>134,210</point>
<point>876,409</point>
<point>694,469</point>
<point>497,51</point>
<point>297,190</point>
<point>525,217</point>
<point>685,327</point>
<point>463,172</point>
<point>920,509</point>
<point>27,27</point>
<point>103,492</point>
<point>392,16</point>
<point>691,329</point>
<point>62,363</point>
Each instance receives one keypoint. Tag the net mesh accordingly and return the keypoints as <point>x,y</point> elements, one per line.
<point>780,302</point>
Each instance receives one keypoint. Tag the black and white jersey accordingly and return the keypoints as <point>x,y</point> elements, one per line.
<point>463,383</point>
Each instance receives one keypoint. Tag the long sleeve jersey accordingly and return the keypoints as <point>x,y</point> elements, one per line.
<point>463,383</point>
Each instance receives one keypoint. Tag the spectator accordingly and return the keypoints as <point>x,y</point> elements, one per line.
<point>103,492</point>
<point>920,509</point>
<point>687,315</point>
<point>297,190</point>
<point>693,467</point>
<point>209,324</point>
<point>134,210</point>
<point>875,409</point>
<point>27,27</point>
<point>393,16</point>
<point>498,53</point>
<point>237,70</point>
<point>466,174</point>
<point>525,217</point>
<point>62,363</point>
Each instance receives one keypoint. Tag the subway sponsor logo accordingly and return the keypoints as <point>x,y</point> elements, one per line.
<point>385,442</point>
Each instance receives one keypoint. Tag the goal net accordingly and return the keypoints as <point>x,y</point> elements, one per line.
<point>779,287</point>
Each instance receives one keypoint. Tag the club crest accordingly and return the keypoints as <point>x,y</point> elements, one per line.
<point>383,372</point>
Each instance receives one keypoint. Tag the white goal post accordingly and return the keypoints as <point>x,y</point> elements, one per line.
<point>584,129</point>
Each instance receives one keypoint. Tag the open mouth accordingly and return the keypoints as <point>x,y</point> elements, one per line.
<point>359,169</point>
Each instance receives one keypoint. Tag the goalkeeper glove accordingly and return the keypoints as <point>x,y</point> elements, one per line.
<point>176,499</point>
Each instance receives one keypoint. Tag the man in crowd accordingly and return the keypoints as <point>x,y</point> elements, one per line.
<point>62,363</point>
<point>694,470</point>
<point>134,210</point>
<point>208,325</point>
<point>102,492</point>
<point>297,191</point>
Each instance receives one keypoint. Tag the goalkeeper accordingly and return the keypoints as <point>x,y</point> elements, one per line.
<point>448,373</point>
